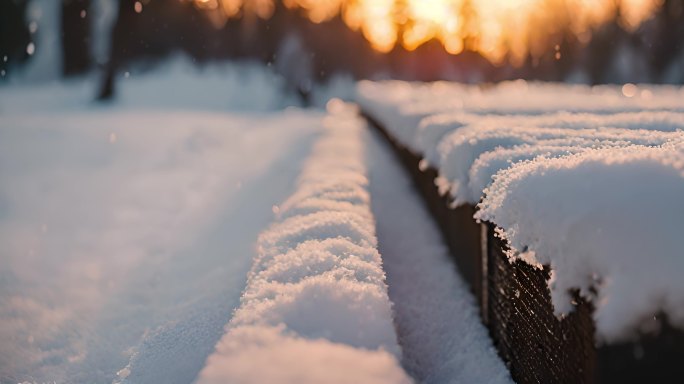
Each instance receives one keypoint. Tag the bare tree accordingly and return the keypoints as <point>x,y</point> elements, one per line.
<point>123,28</point>
<point>76,55</point>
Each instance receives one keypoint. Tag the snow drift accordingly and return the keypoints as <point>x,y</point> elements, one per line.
<point>316,307</point>
<point>607,222</point>
<point>587,180</point>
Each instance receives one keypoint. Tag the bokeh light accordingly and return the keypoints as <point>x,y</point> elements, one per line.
<point>497,29</point>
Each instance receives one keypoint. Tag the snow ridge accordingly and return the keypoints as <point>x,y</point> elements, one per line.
<point>440,330</point>
<point>587,180</point>
<point>434,128</point>
<point>461,148</point>
<point>609,222</point>
<point>316,308</point>
<point>403,106</point>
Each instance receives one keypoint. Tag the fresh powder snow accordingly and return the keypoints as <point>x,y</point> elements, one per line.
<point>316,308</point>
<point>608,222</point>
<point>152,239</point>
<point>432,129</point>
<point>128,229</point>
<point>402,106</point>
<point>586,180</point>
<point>438,323</point>
<point>461,148</point>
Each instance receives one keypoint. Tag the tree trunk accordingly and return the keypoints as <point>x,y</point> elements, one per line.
<point>124,27</point>
<point>76,55</point>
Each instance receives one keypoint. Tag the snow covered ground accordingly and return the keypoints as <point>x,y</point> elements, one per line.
<point>316,309</point>
<point>316,306</point>
<point>587,180</point>
<point>437,319</point>
<point>127,230</point>
<point>152,240</point>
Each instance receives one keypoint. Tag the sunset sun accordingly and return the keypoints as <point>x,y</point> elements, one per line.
<point>494,28</point>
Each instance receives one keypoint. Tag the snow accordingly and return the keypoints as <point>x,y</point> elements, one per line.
<point>434,128</point>
<point>608,222</point>
<point>489,163</point>
<point>127,230</point>
<point>175,85</point>
<point>316,308</point>
<point>438,323</point>
<point>267,355</point>
<point>587,180</point>
<point>402,106</point>
<point>461,148</point>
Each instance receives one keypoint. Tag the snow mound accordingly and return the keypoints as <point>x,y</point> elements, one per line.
<point>316,308</point>
<point>258,354</point>
<point>461,148</point>
<point>402,106</point>
<point>176,84</point>
<point>434,128</point>
<point>115,227</point>
<point>607,221</point>
<point>587,180</point>
<point>437,318</point>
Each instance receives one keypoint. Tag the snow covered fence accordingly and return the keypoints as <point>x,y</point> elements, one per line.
<point>316,309</point>
<point>581,257</point>
<point>615,259</point>
<point>461,233</point>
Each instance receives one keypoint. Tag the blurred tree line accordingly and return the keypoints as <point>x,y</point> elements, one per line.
<point>305,52</point>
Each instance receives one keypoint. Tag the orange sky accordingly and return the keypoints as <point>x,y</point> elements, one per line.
<point>491,27</point>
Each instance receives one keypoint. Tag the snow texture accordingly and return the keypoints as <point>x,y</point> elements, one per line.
<point>127,230</point>
<point>434,128</point>
<point>397,101</point>
<point>439,328</point>
<point>607,221</point>
<point>585,179</point>
<point>460,149</point>
<point>176,84</point>
<point>402,106</point>
<point>316,308</point>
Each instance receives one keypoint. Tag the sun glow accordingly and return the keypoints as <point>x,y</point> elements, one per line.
<point>498,29</point>
<point>433,19</point>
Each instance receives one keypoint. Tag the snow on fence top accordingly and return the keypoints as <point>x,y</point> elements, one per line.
<point>516,98</point>
<point>316,307</point>
<point>608,221</point>
<point>432,129</point>
<point>461,148</point>
<point>587,180</point>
